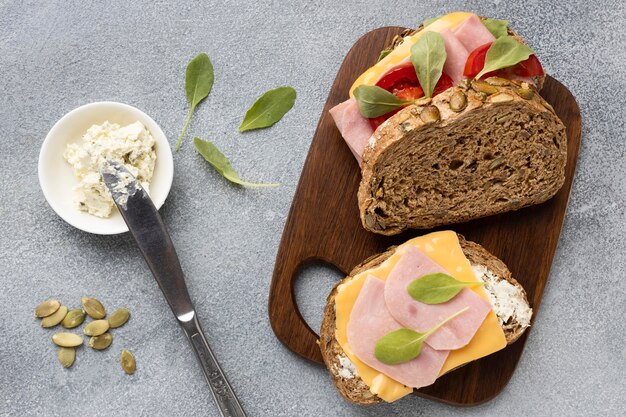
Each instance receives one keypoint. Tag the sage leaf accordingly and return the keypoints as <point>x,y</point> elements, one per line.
<point>221,163</point>
<point>199,78</point>
<point>430,20</point>
<point>374,101</point>
<point>498,28</point>
<point>269,108</point>
<point>437,288</point>
<point>428,56</point>
<point>403,345</point>
<point>503,53</point>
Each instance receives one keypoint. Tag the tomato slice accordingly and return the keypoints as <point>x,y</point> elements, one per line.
<point>399,77</point>
<point>443,84</point>
<point>403,83</point>
<point>476,61</point>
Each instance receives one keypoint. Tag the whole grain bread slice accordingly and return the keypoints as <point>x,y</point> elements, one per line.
<point>457,162</point>
<point>475,150</point>
<point>342,371</point>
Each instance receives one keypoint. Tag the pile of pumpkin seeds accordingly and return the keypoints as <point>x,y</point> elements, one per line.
<point>52,313</point>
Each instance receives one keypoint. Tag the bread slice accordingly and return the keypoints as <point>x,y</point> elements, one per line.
<point>505,150</point>
<point>429,165</point>
<point>502,289</point>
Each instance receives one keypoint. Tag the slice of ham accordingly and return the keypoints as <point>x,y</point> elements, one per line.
<point>472,33</point>
<point>354,128</point>
<point>422,317</point>
<point>456,56</point>
<point>369,321</point>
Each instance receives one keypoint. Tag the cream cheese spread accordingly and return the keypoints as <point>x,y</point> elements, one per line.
<point>132,145</point>
<point>507,300</point>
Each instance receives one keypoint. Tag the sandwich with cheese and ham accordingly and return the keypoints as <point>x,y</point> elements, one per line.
<point>420,310</point>
<point>449,126</point>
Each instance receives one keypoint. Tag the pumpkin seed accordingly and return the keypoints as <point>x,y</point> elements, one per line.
<point>93,308</point>
<point>497,81</point>
<point>96,328</point>
<point>424,101</point>
<point>55,318</point>
<point>548,106</point>
<point>118,318</point>
<point>525,93</point>
<point>458,101</point>
<point>370,221</point>
<point>496,163</point>
<point>47,308</point>
<point>501,98</point>
<point>127,359</point>
<point>67,339</point>
<point>73,319</point>
<point>430,114</point>
<point>481,96</point>
<point>101,342</point>
<point>66,356</point>
<point>406,127</point>
<point>483,87</point>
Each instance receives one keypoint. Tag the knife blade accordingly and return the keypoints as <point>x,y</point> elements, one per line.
<point>148,230</point>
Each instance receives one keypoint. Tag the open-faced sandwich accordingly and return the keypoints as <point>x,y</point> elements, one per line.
<point>422,309</point>
<point>449,126</point>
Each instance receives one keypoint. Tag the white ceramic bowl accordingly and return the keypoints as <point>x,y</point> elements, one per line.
<point>57,179</point>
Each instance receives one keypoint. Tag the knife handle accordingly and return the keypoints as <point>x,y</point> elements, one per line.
<point>225,398</point>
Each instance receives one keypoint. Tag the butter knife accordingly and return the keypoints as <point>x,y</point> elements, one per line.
<point>146,226</point>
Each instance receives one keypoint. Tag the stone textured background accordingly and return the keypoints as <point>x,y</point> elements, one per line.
<point>57,55</point>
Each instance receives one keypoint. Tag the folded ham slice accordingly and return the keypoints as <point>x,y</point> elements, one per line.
<point>456,56</point>
<point>369,321</point>
<point>472,33</point>
<point>422,317</point>
<point>354,128</point>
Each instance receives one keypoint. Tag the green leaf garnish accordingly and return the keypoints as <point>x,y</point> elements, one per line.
<point>221,164</point>
<point>383,54</point>
<point>431,20</point>
<point>428,56</point>
<point>269,108</point>
<point>374,101</point>
<point>498,28</point>
<point>199,79</point>
<point>437,288</point>
<point>403,345</point>
<point>503,53</point>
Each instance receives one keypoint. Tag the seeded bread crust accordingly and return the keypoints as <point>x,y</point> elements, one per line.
<point>504,150</point>
<point>353,388</point>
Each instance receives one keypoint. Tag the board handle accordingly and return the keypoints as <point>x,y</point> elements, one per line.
<point>285,318</point>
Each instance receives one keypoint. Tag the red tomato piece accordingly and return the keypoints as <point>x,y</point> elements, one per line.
<point>443,84</point>
<point>409,93</point>
<point>399,77</point>
<point>476,61</point>
<point>403,83</point>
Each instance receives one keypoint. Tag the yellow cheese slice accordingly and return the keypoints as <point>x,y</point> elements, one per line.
<point>403,52</point>
<point>444,249</point>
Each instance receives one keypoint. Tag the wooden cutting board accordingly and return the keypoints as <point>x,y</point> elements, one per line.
<point>324,225</point>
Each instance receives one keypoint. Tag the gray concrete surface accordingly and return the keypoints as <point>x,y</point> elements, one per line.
<point>57,55</point>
